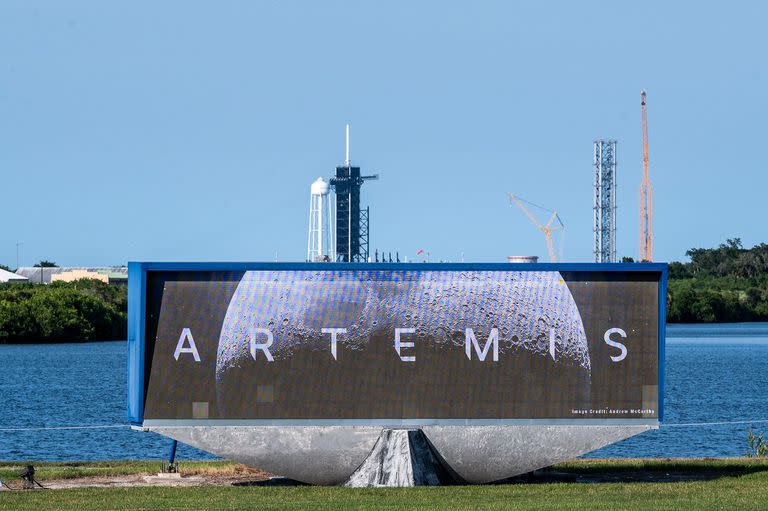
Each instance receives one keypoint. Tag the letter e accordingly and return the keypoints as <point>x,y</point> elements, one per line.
<point>399,344</point>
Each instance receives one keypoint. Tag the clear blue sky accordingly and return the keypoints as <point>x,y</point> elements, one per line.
<point>192,131</point>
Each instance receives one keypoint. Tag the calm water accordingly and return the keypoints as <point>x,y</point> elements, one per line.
<point>713,373</point>
<point>44,385</point>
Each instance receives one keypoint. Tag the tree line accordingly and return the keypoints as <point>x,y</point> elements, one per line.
<point>724,284</point>
<point>83,310</point>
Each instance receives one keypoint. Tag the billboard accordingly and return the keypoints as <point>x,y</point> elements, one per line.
<point>395,343</point>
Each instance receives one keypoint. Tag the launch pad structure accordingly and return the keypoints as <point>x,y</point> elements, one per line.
<point>352,221</point>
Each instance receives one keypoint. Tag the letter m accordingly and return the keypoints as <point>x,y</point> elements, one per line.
<point>493,339</point>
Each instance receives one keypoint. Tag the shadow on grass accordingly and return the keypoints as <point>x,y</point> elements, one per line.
<point>656,471</point>
<point>273,481</point>
<point>651,473</point>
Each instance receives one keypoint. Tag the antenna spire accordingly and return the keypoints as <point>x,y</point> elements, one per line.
<point>347,161</point>
<point>646,194</point>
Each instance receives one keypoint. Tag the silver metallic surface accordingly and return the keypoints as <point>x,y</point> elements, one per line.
<point>401,457</point>
<point>482,454</point>
<point>331,454</point>
<point>324,455</point>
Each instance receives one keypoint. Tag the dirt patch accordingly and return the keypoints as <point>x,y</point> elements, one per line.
<point>251,477</point>
<point>235,474</point>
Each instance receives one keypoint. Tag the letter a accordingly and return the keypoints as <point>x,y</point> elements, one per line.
<point>186,334</point>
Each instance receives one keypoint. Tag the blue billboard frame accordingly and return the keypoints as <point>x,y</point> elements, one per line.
<point>137,294</point>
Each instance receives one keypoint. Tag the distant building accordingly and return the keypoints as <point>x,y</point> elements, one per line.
<point>8,276</point>
<point>109,274</point>
<point>72,275</point>
<point>522,259</point>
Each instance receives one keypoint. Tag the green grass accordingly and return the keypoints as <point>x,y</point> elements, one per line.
<point>734,484</point>
<point>727,466</point>
<point>748,492</point>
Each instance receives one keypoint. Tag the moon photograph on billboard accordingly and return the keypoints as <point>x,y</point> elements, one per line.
<point>401,346</point>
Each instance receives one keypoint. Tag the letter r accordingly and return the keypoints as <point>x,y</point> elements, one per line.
<point>263,346</point>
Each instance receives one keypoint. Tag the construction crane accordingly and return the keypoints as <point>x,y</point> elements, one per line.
<point>553,225</point>
<point>646,196</point>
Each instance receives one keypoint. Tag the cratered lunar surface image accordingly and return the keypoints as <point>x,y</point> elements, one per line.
<point>543,355</point>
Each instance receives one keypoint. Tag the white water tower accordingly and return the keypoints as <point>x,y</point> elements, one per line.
<point>320,247</point>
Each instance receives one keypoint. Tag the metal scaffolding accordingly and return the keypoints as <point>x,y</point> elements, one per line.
<point>605,201</point>
<point>352,243</point>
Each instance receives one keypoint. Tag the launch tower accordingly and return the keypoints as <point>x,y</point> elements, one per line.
<point>352,222</point>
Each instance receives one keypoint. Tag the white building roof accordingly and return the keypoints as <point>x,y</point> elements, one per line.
<point>37,275</point>
<point>8,276</point>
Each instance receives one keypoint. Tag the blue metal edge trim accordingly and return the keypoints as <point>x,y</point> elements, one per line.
<point>245,266</point>
<point>137,280</point>
<point>662,337</point>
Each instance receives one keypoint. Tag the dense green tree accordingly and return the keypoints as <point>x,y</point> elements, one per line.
<point>726,283</point>
<point>46,264</point>
<point>82,310</point>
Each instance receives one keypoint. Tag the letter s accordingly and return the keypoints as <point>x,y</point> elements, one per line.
<point>609,342</point>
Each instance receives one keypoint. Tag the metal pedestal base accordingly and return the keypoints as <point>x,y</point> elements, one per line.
<point>402,457</point>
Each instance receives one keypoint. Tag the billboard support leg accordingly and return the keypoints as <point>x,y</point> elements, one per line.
<point>172,468</point>
<point>403,457</point>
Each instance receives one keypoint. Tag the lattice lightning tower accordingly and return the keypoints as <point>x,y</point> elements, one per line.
<point>605,201</point>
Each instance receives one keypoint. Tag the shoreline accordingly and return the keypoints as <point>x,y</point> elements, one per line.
<point>37,341</point>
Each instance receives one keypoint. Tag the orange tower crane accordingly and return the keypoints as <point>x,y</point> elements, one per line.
<point>552,226</point>
<point>646,196</point>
